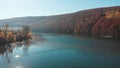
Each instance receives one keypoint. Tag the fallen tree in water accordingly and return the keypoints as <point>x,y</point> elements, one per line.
<point>11,35</point>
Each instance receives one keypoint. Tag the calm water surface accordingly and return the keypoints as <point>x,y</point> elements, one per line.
<point>62,51</point>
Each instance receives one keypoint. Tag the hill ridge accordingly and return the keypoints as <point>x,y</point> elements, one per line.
<point>96,22</point>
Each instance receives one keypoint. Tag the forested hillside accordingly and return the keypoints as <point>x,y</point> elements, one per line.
<point>94,22</point>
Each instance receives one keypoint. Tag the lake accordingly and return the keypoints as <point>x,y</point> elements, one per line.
<point>62,51</point>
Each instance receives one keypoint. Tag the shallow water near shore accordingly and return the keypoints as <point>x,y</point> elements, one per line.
<point>62,51</point>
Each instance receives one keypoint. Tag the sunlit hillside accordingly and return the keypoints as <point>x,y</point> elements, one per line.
<point>103,22</point>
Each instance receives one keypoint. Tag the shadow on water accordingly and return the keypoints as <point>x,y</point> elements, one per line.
<point>8,49</point>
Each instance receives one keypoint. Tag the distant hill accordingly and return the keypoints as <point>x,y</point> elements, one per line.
<point>95,22</point>
<point>16,22</point>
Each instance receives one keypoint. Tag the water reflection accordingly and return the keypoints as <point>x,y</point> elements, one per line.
<point>61,52</point>
<point>25,50</point>
<point>19,66</point>
<point>17,56</point>
<point>7,50</point>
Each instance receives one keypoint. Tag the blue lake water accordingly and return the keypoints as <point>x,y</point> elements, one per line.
<point>62,51</point>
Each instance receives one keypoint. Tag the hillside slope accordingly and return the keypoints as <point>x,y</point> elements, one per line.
<point>95,22</point>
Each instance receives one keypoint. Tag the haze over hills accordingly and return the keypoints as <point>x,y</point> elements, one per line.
<point>19,21</point>
<point>97,22</point>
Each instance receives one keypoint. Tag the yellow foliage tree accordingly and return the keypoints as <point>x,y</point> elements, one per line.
<point>2,34</point>
<point>9,35</point>
<point>29,35</point>
<point>113,14</point>
<point>14,38</point>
